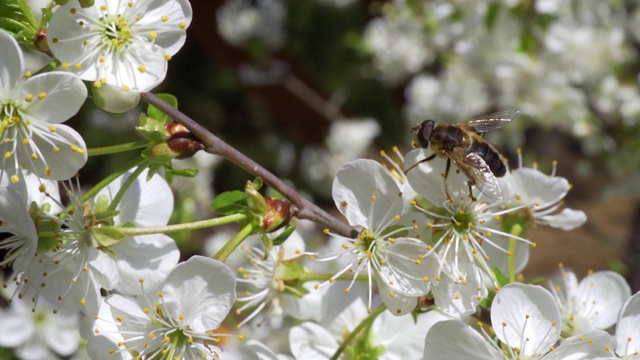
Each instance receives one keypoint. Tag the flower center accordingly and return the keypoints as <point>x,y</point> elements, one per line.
<point>116,31</point>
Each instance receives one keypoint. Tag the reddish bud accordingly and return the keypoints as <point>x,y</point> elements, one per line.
<point>279,214</point>
<point>185,145</point>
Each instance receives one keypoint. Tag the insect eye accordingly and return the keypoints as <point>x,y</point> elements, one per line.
<point>424,133</point>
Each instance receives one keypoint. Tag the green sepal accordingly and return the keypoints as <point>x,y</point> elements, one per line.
<point>152,129</point>
<point>188,172</point>
<point>155,113</point>
<point>17,19</point>
<point>101,204</point>
<point>267,244</point>
<point>256,201</point>
<point>282,237</point>
<point>501,279</point>
<point>86,3</point>
<point>289,271</point>
<point>105,236</point>
<point>230,202</point>
<point>296,290</point>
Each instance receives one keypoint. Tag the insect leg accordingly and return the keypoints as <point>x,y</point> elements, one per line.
<point>469,183</point>
<point>420,162</point>
<point>446,175</point>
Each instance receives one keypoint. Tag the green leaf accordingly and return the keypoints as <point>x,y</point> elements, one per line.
<point>106,235</point>
<point>278,240</point>
<point>230,202</point>
<point>155,113</point>
<point>267,245</point>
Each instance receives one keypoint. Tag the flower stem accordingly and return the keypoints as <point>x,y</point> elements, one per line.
<point>362,326</point>
<point>203,224</point>
<point>107,180</point>
<point>127,184</point>
<point>118,148</point>
<point>214,145</point>
<point>235,241</point>
<point>517,231</point>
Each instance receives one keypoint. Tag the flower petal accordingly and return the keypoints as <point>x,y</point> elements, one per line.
<point>62,96</point>
<point>628,328</point>
<point>171,33</point>
<point>203,290</point>
<point>586,346</point>
<point>453,339</point>
<point>11,65</point>
<point>526,314</point>
<point>602,295</point>
<point>355,185</point>
<point>567,219</point>
<point>398,304</point>
<point>427,177</point>
<point>150,257</point>
<point>312,341</point>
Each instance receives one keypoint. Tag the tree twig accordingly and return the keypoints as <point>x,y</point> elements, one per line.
<point>214,145</point>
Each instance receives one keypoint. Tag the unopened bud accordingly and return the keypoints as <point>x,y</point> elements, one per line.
<point>40,40</point>
<point>279,214</point>
<point>185,145</point>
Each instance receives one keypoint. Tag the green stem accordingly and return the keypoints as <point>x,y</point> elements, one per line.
<point>107,180</point>
<point>105,150</point>
<point>516,230</point>
<point>203,224</point>
<point>127,184</point>
<point>235,241</point>
<point>363,325</point>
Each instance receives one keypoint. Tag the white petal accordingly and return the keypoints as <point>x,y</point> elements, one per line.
<point>11,64</point>
<point>65,94</point>
<point>15,218</point>
<point>453,339</point>
<point>103,347</point>
<point>457,298</point>
<point>602,294</point>
<point>62,334</point>
<point>401,336</point>
<point>203,290</point>
<point>427,178</point>
<point>628,328</point>
<point>17,327</point>
<point>586,346</point>
<point>537,187</point>
<point>151,257</point>
<point>529,312</point>
<point>407,269</point>
<point>171,36</point>
<point>56,152</point>
<point>106,269</point>
<point>312,341</point>
<point>145,204</point>
<point>353,188</point>
<point>397,304</point>
<point>567,219</point>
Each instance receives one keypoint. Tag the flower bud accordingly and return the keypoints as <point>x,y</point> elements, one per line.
<point>279,214</point>
<point>185,144</point>
<point>113,99</point>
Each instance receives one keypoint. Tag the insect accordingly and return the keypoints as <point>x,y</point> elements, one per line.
<point>463,144</point>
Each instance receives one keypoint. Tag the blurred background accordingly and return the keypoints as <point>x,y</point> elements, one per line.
<point>304,86</point>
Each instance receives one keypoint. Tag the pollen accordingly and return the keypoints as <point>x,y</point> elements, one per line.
<point>42,188</point>
<point>28,97</point>
<point>55,41</point>
<point>78,66</point>
<point>124,87</point>
<point>15,179</point>
<point>25,141</point>
<point>77,150</point>
<point>164,18</point>
<point>73,10</point>
<point>27,74</point>
<point>425,278</point>
<point>181,316</point>
<point>101,60</point>
<point>103,8</point>
<point>167,57</point>
<point>56,149</point>
<point>7,154</point>
<point>344,203</point>
<point>152,35</point>
<point>141,280</point>
<point>142,68</point>
<point>64,65</point>
<point>42,95</point>
<point>373,198</point>
<point>83,302</point>
<point>34,156</point>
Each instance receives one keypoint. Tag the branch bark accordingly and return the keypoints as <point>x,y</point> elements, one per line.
<point>214,145</point>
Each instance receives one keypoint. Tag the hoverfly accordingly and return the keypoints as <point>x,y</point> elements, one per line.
<point>463,144</point>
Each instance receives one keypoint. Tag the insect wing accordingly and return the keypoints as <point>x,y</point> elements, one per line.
<point>491,121</point>
<point>478,172</point>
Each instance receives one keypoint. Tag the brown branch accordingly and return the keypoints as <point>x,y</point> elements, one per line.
<point>214,145</point>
